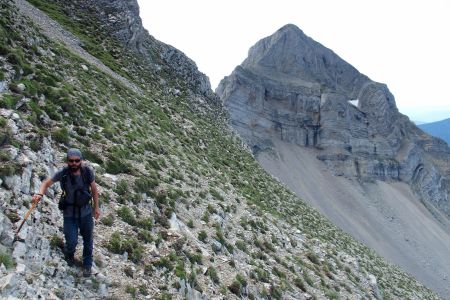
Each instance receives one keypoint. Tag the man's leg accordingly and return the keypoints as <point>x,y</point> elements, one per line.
<point>87,232</point>
<point>71,235</point>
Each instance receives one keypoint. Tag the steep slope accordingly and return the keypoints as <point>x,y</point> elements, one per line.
<point>440,129</point>
<point>292,93</point>
<point>187,211</point>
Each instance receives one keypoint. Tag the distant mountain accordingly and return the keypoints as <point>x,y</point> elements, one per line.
<point>440,129</point>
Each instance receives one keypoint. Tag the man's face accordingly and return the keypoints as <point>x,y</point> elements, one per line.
<point>74,163</point>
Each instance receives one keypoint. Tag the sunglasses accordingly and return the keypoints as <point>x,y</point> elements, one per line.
<point>73,160</point>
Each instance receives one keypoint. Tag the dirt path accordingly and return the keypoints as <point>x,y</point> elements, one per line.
<point>56,32</point>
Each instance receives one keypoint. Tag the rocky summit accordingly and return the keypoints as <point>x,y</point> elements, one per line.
<point>337,139</point>
<point>187,211</point>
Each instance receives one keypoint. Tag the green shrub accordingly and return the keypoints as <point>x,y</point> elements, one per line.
<point>9,101</point>
<point>260,275</point>
<point>164,262</point>
<point>202,236</point>
<point>4,50</point>
<point>56,242</point>
<point>7,260</point>
<point>212,273</point>
<point>131,290</point>
<point>145,236</point>
<point>61,136</point>
<point>190,223</point>
<point>30,88</point>
<point>127,216</point>
<point>15,57</point>
<point>195,257</point>
<point>216,194</point>
<point>108,220</point>
<point>205,217</point>
<point>300,284</point>
<point>313,258</point>
<point>278,272</point>
<point>92,156</point>
<point>131,245</point>
<point>145,223</point>
<point>10,168</point>
<point>117,166</point>
<point>121,187</point>
<point>3,121</point>
<point>145,184</point>
<point>180,272</point>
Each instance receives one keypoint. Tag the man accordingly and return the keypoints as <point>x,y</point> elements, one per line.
<point>78,185</point>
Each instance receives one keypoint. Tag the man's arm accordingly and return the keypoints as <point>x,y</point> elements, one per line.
<point>95,197</point>
<point>44,186</point>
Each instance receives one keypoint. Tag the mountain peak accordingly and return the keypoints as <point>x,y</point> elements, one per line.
<point>290,52</point>
<point>288,28</point>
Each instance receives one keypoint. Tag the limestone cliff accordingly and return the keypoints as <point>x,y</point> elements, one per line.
<point>292,88</point>
<point>120,19</point>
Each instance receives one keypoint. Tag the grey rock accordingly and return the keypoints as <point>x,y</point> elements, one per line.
<point>21,87</point>
<point>15,117</point>
<point>46,152</point>
<point>374,286</point>
<point>13,183</point>
<point>7,282</point>
<point>21,268</point>
<point>20,251</point>
<point>5,230</point>
<point>26,179</point>
<point>45,119</point>
<point>3,85</point>
<point>174,223</point>
<point>216,246</point>
<point>102,290</point>
<point>41,51</point>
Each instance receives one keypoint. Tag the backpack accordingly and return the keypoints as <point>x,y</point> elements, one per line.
<point>81,197</point>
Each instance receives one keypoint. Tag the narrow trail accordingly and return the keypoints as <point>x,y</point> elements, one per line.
<point>56,32</point>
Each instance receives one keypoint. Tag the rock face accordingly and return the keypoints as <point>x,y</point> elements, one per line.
<point>121,20</point>
<point>294,89</point>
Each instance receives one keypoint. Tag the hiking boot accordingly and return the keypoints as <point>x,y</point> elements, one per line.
<point>87,272</point>
<point>70,260</point>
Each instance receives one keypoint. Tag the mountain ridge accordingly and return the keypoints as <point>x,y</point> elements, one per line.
<point>439,129</point>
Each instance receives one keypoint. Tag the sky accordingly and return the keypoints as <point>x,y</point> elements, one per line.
<point>404,44</point>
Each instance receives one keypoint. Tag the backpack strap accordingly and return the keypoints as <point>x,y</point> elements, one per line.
<point>64,177</point>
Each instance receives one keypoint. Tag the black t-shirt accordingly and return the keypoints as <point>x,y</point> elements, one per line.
<point>73,183</point>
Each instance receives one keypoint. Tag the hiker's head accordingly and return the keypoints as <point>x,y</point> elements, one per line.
<point>74,158</point>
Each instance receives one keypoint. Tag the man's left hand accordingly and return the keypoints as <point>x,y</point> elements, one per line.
<point>96,213</point>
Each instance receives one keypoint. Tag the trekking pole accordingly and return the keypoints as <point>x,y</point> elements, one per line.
<point>24,219</point>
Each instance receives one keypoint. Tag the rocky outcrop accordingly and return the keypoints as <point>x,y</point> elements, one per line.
<point>294,89</point>
<point>122,21</point>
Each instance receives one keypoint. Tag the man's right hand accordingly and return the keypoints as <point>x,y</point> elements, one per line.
<point>36,198</point>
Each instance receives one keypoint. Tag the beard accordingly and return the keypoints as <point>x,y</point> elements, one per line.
<point>73,169</point>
